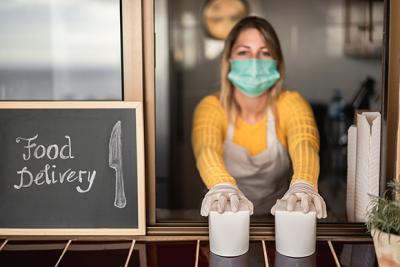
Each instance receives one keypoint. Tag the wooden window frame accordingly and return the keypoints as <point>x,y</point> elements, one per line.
<point>183,230</point>
<point>138,57</point>
<point>133,89</point>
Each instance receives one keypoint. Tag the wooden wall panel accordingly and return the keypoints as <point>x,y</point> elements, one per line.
<point>392,158</point>
<point>132,50</point>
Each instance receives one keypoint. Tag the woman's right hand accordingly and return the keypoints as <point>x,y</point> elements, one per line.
<point>218,196</point>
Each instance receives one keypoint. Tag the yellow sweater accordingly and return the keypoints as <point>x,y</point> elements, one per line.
<point>296,130</point>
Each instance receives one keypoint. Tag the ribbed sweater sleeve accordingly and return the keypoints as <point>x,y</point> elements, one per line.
<point>297,120</point>
<point>208,134</point>
<point>297,131</point>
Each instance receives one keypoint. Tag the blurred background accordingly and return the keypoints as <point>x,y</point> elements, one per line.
<point>60,49</point>
<point>71,50</point>
<point>332,50</point>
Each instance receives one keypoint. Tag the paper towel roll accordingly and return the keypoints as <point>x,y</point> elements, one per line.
<point>375,152</point>
<point>367,161</point>
<point>351,173</point>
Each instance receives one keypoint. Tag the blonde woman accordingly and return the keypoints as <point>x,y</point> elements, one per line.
<point>254,141</point>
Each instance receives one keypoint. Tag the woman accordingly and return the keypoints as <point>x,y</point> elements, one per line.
<point>253,136</point>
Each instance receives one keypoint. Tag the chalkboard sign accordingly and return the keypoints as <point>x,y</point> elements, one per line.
<point>71,168</point>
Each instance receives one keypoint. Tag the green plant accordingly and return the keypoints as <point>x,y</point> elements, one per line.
<point>384,212</point>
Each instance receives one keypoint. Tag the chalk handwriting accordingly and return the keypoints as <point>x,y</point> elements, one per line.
<point>39,151</point>
<point>49,174</point>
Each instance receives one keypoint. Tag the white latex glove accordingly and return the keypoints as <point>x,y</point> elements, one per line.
<point>304,192</point>
<point>220,194</point>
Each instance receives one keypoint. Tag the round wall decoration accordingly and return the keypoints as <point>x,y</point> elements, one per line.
<point>219,16</point>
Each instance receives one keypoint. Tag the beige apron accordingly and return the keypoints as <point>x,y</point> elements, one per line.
<point>262,178</point>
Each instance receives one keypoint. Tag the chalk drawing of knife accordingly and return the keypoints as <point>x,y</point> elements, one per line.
<point>115,162</point>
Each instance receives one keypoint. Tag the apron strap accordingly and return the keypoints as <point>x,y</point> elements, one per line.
<point>229,133</point>
<point>271,129</point>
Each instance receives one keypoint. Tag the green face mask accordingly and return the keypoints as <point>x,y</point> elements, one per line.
<point>253,76</point>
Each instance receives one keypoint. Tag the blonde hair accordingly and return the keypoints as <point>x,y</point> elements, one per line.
<point>267,31</point>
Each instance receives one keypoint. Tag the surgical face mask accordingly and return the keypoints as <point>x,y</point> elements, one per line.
<point>253,76</point>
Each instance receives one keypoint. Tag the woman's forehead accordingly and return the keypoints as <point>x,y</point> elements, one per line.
<point>249,38</point>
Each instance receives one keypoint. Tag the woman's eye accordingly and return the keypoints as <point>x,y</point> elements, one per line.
<point>266,53</point>
<point>242,53</point>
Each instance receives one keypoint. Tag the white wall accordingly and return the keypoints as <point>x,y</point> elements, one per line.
<point>162,87</point>
<point>312,38</point>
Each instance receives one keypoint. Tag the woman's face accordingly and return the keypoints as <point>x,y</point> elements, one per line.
<point>250,44</point>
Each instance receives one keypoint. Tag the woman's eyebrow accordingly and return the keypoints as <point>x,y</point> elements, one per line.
<point>248,47</point>
<point>242,46</point>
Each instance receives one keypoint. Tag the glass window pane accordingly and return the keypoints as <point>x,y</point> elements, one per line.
<point>254,257</point>
<point>60,50</point>
<point>333,57</point>
<point>93,253</point>
<point>356,254</point>
<point>163,254</point>
<point>322,256</point>
<point>24,253</point>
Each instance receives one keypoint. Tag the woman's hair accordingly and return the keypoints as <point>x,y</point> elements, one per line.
<point>267,31</point>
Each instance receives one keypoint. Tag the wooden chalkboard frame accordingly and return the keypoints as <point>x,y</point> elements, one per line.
<point>137,106</point>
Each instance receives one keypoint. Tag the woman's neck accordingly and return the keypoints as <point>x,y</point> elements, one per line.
<point>252,109</point>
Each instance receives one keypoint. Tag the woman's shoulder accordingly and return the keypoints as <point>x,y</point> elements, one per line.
<point>292,104</point>
<point>290,96</point>
<point>210,105</point>
<point>210,101</point>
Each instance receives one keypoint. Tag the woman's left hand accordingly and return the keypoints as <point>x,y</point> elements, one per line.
<point>304,192</point>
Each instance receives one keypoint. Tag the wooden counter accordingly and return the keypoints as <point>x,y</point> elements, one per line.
<point>195,253</point>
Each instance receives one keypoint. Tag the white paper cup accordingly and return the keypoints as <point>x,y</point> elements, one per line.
<point>229,232</point>
<point>295,231</point>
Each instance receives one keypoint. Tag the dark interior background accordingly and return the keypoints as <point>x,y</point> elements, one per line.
<point>332,51</point>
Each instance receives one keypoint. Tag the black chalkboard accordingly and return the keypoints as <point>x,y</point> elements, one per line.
<point>70,167</point>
